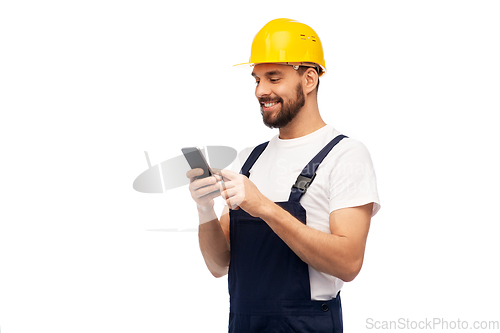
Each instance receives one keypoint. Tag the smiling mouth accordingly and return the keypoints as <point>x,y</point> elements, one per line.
<point>269,106</point>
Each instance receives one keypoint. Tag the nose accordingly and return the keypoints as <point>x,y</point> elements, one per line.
<point>262,89</point>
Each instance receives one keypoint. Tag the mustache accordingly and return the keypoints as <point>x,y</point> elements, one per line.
<point>270,99</point>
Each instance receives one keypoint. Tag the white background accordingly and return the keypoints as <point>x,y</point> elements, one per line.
<point>87,86</point>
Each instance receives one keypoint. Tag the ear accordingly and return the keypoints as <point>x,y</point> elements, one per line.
<point>310,80</point>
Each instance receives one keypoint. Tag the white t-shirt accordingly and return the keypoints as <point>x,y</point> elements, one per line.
<point>344,179</point>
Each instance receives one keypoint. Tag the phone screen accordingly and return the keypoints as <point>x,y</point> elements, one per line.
<point>196,160</point>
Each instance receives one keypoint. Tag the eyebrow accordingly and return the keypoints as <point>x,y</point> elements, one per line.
<point>270,73</point>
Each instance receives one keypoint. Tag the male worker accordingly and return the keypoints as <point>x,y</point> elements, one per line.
<point>300,208</point>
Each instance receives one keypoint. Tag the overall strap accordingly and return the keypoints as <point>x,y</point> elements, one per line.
<point>307,175</point>
<point>254,155</point>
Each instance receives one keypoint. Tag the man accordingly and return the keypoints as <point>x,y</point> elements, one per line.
<point>300,210</point>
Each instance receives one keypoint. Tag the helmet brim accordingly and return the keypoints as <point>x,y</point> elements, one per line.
<point>251,64</point>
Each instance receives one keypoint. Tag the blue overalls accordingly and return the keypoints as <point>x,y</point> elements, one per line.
<point>268,283</point>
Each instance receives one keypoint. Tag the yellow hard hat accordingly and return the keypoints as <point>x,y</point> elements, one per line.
<point>287,41</point>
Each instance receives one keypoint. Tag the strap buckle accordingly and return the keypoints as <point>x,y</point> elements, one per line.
<point>303,182</point>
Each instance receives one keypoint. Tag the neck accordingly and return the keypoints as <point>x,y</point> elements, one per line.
<point>306,122</point>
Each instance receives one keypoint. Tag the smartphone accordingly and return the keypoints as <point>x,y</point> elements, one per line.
<point>196,160</point>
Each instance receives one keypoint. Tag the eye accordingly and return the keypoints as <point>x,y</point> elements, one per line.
<point>274,80</point>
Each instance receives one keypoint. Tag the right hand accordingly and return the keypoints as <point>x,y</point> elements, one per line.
<point>203,191</point>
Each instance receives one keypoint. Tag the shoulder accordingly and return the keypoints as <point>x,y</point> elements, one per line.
<point>352,148</point>
<point>347,146</point>
<point>350,158</point>
<point>347,150</point>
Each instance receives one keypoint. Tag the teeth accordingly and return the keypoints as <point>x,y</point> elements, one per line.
<point>268,105</point>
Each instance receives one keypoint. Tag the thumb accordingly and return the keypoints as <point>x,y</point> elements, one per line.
<point>228,175</point>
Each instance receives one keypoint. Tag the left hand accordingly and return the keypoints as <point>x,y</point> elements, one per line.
<point>241,192</point>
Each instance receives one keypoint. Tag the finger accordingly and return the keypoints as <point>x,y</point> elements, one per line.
<point>229,184</point>
<point>199,183</point>
<point>207,190</point>
<point>223,186</point>
<point>233,200</point>
<point>194,172</point>
<point>229,193</point>
<point>232,205</point>
<point>220,180</point>
<point>228,175</point>
<point>238,180</point>
<point>208,197</point>
<point>191,174</point>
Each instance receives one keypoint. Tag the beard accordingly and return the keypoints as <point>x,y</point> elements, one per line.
<point>287,112</point>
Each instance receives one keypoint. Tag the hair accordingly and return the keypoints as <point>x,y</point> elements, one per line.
<point>302,69</point>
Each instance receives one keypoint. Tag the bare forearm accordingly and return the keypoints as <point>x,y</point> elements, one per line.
<point>324,252</point>
<point>339,253</point>
<point>213,244</point>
